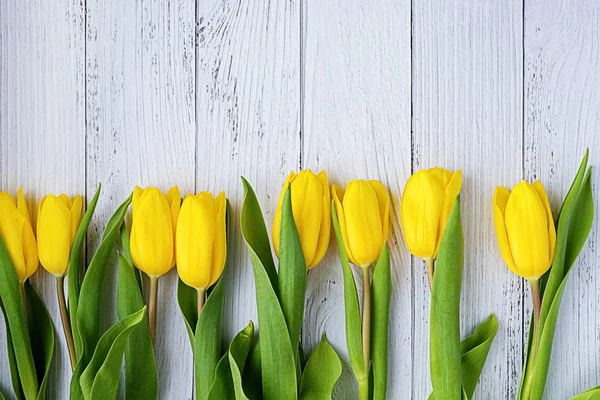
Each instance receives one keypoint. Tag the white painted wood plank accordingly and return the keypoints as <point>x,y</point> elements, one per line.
<point>42,120</point>
<point>467,98</point>
<point>357,125</point>
<point>248,106</point>
<point>140,131</point>
<point>562,119</point>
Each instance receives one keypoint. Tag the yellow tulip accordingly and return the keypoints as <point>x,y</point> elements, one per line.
<point>525,229</point>
<point>363,216</point>
<point>426,204</point>
<point>201,239</point>
<point>154,220</point>
<point>311,207</point>
<point>57,223</point>
<point>17,234</point>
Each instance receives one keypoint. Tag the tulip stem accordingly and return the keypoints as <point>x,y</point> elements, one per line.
<point>24,299</point>
<point>430,269</point>
<point>152,306</point>
<point>66,322</point>
<point>366,317</point>
<point>537,302</point>
<point>201,299</point>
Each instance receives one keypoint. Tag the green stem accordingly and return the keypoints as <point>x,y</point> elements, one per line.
<point>363,389</point>
<point>430,270</point>
<point>366,327</point>
<point>152,306</point>
<point>66,321</point>
<point>531,357</point>
<point>24,299</point>
<point>201,299</point>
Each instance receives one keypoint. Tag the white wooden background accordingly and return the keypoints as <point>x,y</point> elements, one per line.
<point>199,92</point>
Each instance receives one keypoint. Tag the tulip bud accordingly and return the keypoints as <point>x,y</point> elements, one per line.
<point>17,234</point>
<point>57,223</point>
<point>426,204</point>
<point>153,223</point>
<point>363,215</point>
<point>311,208</point>
<point>525,229</point>
<point>201,239</point>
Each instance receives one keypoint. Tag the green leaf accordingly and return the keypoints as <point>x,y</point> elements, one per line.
<point>292,275</point>
<point>207,341</point>
<point>581,221</point>
<point>41,332</point>
<point>127,254</point>
<point>252,375</point>
<point>474,351</point>
<point>187,298</point>
<point>351,307</point>
<point>445,311</point>
<point>253,224</point>
<point>380,315</point>
<point>88,308</point>
<point>277,354</point>
<point>12,362</point>
<point>75,268</point>
<point>100,379</point>
<point>590,394</point>
<point>141,381</point>
<point>321,373</point>
<point>14,313</point>
<point>224,386</point>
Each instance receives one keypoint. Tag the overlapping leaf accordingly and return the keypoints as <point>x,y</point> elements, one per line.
<point>322,371</point>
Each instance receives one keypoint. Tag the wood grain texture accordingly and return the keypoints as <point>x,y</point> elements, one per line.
<point>357,126</point>
<point>248,107</point>
<point>140,63</point>
<point>562,54</point>
<point>467,98</point>
<point>42,122</point>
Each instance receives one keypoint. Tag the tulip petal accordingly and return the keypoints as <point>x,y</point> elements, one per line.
<point>66,200</point>
<point>54,234</point>
<point>30,254</point>
<point>383,199</point>
<point>173,197</point>
<point>363,222</point>
<point>276,230</point>
<point>76,209</point>
<point>22,205</point>
<point>443,176</point>
<point>420,211</point>
<point>527,229</point>
<point>338,197</point>
<point>501,196</point>
<point>219,252</point>
<point>537,185</point>
<point>307,200</point>
<point>12,223</point>
<point>451,191</point>
<point>325,228</point>
<point>137,193</point>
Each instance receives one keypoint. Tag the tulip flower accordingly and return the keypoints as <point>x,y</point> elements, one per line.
<point>426,204</point>
<point>363,217</point>
<point>17,233</point>
<point>201,241</point>
<point>311,209</point>
<point>57,222</point>
<point>152,240</point>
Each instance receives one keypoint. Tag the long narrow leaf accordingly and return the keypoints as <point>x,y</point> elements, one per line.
<point>237,361</point>
<point>14,313</point>
<point>12,362</point>
<point>141,381</point>
<point>75,268</point>
<point>251,377</point>
<point>380,315</point>
<point>187,298</point>
<point>351,307</point>
<point>590,394</point>
<point>322,372</point>
<point>474,351</point>
<point>292,275</point>
<point>277,355</point>
<point>445,311</point>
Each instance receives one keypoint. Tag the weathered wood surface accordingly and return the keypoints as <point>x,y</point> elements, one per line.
<point>198,93</point>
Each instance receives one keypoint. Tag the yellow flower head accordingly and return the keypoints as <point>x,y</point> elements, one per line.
<point>153,224</point>
<point>425,207</point>
<point>363,215</point>
<point>201,239</point>
<point>525,229</point>
<point>57,223</point>
<point>17,234</point>
<point>311,207</point>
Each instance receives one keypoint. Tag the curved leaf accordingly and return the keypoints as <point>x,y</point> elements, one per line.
<point>41,332</point>
<point>187,298</point>
<point>445,311</point>
<point>277,355</point>
<point>100,379</point>
<point>12,362</point>
<point>252,375</point>
<point>581,221</point>
<point>75,268</point>
<point>141,381</point>
<point>351,307</point>
<point>322,372</point>
<point>590,394</point>
<point>380,316</point>
<point>14,313</point>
